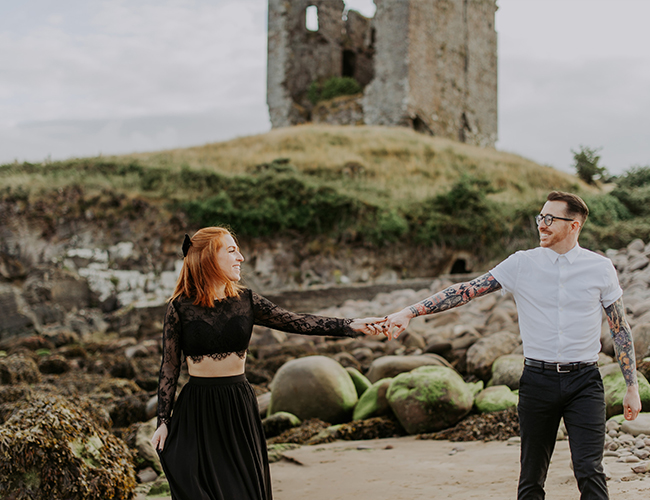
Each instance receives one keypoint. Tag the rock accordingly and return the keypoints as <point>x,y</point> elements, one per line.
<point>484,352</point>
<point>641,337</point>
<point>70,292</point>
<point>390,366</point>
<point>606,341</point>
<point>347,360</point>
<point>147,475</point>
<point>313,387</point>
<point>507,370</point>
<point>361,383</point>
<point>18,368</point>
<point>373,402</point>
<point>412,339</point>
<point>263,403</point>
<point>429,398</point>
<point>495,398</point>
<point>146,453</point>
<point>14,320</point>
<point>636,246</point>
<point>615,388</point>
<point>279,422</point>
<point>50,435</point>
<point>11,268</point>
<point>637,262</point>
<point>641,425</point>
<point>475,387</point>
<point>54,364</point>
<point>644,367</point>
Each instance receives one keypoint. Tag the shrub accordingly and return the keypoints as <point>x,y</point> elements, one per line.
<point>334,87</point>
<point>585,162</point>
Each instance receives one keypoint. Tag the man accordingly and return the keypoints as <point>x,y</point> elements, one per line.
<point>559,289</point>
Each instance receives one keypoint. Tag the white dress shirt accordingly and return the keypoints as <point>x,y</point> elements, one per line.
<point>559,300</point>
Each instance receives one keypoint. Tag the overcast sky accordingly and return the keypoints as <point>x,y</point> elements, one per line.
<point>80,78</point>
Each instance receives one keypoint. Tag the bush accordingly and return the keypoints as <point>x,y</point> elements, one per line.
<point>633,190</point>
<point>585,162</point>
<point>605,210</point>
<point>334,87</point>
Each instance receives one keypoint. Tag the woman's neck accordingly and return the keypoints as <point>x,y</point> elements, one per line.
<point>220,291</point>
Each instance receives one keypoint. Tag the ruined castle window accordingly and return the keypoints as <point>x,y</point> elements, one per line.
<point>311,18</point>
<point>349,63</point>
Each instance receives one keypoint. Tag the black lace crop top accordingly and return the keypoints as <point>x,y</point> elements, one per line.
<point>225,329</point>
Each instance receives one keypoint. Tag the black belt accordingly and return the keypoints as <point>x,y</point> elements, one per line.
<point>559,367</point>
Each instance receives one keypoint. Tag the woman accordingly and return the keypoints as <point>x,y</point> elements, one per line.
<point>213,447</point>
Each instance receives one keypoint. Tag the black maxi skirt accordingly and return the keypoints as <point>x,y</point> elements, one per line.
<point>215,449</point>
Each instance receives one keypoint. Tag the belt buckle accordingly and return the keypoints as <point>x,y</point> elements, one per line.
<point>562,371</point>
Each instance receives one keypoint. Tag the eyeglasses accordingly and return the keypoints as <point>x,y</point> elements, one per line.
<point>548,219</point>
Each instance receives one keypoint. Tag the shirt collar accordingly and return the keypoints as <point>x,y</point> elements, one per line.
<point>571,255</point>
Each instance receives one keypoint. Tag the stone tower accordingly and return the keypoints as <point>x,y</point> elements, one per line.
<point>426,64</point>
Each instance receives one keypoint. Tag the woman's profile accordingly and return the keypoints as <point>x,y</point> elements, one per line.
<point>212,445</point>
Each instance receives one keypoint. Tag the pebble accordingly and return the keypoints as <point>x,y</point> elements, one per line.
<point>627,448</point>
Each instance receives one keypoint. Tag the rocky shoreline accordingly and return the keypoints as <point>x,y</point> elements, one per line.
<point>78,384</point>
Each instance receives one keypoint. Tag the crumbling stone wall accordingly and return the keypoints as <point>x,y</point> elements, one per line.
<point>426,64</point>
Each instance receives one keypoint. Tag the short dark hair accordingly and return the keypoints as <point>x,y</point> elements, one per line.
<point>576,207</point>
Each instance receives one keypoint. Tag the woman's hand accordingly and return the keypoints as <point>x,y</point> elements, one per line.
<point>369,326</point>
<point>396,323</point>
<point>159,437</point>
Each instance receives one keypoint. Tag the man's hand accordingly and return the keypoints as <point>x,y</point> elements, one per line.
<point>159,437</point>
<point>369,326</point>
<point>396,323</point>
<point>631,402</point>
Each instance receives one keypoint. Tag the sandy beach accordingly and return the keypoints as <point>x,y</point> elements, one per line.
<point>410,469</point>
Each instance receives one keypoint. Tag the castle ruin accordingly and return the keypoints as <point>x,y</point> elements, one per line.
<point>426,64</point>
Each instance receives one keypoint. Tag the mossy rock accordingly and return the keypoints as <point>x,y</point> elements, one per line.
<point>429,399</point>
<point>361,383</point>
<point>495,398</point>
<point>373,402</point>
<point>615,389</point>
<point>18,368</point>
<point>279,422</point>
<point>50,448</point>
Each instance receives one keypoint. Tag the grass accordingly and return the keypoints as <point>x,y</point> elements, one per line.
<point>368,185</point>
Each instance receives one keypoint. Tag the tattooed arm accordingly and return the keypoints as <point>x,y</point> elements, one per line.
<point>453,296</point>
<point>624,349</point>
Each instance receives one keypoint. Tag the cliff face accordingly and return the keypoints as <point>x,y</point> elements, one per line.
<point>71,263</point>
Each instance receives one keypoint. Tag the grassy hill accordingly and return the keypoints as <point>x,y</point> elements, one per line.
<point>358,185</point>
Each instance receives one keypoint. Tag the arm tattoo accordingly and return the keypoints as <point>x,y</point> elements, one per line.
<point>456,295</point>
<point>623,345</point>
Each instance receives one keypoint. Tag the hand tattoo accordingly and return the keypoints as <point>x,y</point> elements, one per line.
<point>456,295</point>
<point>623,345</point>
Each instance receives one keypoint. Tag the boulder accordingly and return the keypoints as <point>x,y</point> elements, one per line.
<point>429,398</point>
<point>641,337</point>
<point>276,424</point>
<point>615,388</point>
<point>14,321</point>
<point>361,383</point>
<point>18,368</point>
<point>495,398</point>
<point>644,367</point>
<point>313,387</point>
<point>146,454</point>
<point>484,352</point>
<point>51,448</point>
<point>606,341</point>
<point>390,366</point>
<point>373,402</point>
<point>640,425</point>
<point>507,370</point>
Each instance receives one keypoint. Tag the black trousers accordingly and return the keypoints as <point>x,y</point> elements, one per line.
<point>546,396</point>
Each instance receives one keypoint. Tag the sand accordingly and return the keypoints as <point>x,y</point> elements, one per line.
<point>407,468</point>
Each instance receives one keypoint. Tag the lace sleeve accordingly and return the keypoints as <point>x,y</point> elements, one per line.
<point>266,313</point>
<point>171,364</point>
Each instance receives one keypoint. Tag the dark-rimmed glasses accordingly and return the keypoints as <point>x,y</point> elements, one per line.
<point>548,219</point>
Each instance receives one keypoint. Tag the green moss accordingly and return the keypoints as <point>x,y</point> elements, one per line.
<point>361,383</point>
<point>495,398</point>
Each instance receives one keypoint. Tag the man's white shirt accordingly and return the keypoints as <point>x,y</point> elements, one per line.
<point>559,299</point>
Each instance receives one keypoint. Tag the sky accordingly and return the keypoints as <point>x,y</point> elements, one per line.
<point>80,78</point>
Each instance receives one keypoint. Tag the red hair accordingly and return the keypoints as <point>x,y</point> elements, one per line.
<point>200,274</point>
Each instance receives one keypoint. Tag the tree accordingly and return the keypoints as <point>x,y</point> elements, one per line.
<point>585,162</point>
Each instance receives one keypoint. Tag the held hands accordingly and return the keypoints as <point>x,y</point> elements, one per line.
<point>631,402</point>
<point>369,326</point>
<point>391,326</point>
<point>159,437</point>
